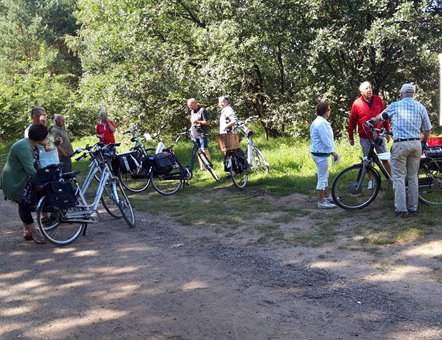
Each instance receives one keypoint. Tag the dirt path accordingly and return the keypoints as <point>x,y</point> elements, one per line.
<point>167,281</point>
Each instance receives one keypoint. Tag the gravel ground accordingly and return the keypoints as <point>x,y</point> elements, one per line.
<point>163,280</point>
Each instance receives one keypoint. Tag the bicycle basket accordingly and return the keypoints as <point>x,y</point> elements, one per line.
<point>227,141</point>
<point>61,195</point>
<point>164,162</point>
<point>127,162</point>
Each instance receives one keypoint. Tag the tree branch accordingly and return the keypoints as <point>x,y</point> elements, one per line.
<point>195,20</point>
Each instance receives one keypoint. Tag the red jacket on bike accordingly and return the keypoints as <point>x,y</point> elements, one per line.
<point>361,112</point>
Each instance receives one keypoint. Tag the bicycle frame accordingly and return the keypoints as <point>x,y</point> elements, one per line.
<point>86,214</point>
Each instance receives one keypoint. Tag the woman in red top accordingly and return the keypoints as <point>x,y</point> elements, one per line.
<point>105,128</point>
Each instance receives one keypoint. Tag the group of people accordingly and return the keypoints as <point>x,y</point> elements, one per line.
<point>408,119</point>
<point>37,149</point>
<point>41,147</point>
<point>199,119</point>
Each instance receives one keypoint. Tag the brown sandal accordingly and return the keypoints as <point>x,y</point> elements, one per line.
<point>34,235</point>
<point>27,235</point>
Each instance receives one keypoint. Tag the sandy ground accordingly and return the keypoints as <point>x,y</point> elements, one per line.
<point>163,280</point>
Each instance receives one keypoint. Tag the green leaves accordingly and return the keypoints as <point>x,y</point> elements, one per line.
<point>142,59</point>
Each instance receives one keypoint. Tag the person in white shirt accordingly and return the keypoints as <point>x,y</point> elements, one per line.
<point>321,147</point>
<point>228,118</point>
<point>48,152</point>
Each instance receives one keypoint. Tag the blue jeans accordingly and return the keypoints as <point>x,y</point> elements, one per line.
<point>202,142</point>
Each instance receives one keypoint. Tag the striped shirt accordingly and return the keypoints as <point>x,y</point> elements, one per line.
<point>408,117</point>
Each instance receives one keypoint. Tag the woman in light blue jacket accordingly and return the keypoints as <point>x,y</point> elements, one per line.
<point>321,147</point>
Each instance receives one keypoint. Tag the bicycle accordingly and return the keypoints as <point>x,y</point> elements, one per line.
<point>351,190</point>
<point>197,151</point>
<point>238,163</point>
<point>161,168</point>
<point>135,177</point>
<point>62,224</point>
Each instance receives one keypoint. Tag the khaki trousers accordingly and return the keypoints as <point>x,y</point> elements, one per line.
<point>405,159</point>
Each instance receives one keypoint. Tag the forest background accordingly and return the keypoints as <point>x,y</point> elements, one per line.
<point>141,59</point>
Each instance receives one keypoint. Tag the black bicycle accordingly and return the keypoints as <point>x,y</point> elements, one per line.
<point>134,174</point>
<point>357,186</point>
<point>197,151</point>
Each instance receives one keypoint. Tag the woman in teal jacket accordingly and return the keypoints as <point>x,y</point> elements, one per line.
<point>17,175</point>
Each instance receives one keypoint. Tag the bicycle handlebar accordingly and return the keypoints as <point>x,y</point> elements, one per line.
<point>247,120</point>
<point>97,147</point>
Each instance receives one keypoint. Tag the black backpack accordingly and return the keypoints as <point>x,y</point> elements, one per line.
<point>164,162</point>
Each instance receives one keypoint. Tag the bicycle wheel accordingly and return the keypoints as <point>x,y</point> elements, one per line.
<point>208,165</point>
<point>134,182</point>
<point>239,178</point>
<point>167,184</point>
<point>350,191</point>
<point>50,221</point>
<point>108,202</point>
<point>430,183</point>
<point>259,161</point>
<point>124,204</point>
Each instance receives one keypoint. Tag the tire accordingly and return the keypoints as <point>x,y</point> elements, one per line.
<point>345,190</point>
<point>124,205</point>
<point>52,227</point>
<point>208,165</point>
<point>167,184</point>
<point>259,161</point>
<point>239,179</point>
<point>109,204</point>
<point>430,182</point>
<point>134,184</point>
<point>129,180</point>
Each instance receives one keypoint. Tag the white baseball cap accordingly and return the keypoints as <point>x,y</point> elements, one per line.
<point>408,88</point>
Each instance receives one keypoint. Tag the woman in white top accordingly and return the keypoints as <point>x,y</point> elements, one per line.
<point>321,147</point>
<point>228,118</point>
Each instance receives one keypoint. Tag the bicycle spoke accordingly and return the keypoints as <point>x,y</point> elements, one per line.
<point>352,189</point>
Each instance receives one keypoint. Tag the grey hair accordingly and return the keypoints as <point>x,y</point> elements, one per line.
<point>224,98</point>
<point>102,112</point>
<point>408,94</point>
<point>56,116</point>
<point>363,85</point>
<point>191,100</point>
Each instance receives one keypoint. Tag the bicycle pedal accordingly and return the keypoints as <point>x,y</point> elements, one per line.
<point>186,183</point>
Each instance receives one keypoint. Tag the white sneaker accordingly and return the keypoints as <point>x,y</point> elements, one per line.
<point>326,205</point>
<point>370,185</point>
<point>329,199</point>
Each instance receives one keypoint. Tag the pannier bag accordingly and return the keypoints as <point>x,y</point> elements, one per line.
<point>60,194</point>
<point>239,161</point>
<point>434,152</point>
<point>164,163</point>
<point>127,162</point>
<point>47,174</point>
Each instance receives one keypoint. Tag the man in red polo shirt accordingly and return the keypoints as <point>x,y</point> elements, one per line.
<point>364,108</point>
<point>105,128</point>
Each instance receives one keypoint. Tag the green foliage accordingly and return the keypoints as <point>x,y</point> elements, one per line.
<point>36,69</point>
<point>142,59</point>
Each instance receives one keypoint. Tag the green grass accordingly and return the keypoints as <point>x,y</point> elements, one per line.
<point>270,209</point>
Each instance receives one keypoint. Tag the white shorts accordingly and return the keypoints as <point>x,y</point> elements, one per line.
<point>322,165</point>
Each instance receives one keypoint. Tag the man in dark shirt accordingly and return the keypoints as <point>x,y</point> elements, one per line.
<point>199,119</point>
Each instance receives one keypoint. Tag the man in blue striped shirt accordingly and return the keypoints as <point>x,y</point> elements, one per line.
<point>408,118</point>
